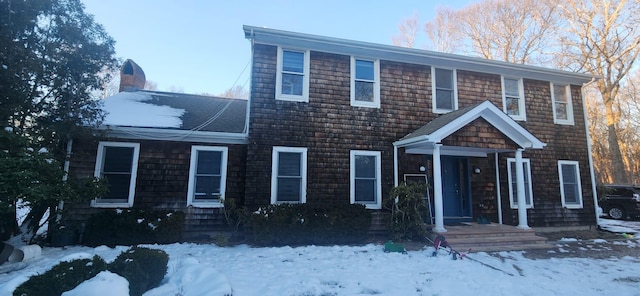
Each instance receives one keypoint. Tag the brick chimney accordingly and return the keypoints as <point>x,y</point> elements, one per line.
<point>131,76</point>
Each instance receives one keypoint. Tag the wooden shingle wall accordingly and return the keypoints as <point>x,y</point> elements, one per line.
<point>162,180</point>
<point>329,127</point>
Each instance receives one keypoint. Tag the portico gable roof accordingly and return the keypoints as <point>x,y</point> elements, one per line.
<point>424,138</point>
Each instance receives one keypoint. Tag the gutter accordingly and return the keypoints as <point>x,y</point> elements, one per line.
<point>138,133</point>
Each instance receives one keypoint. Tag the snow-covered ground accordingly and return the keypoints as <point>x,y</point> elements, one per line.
<point>196,269</point>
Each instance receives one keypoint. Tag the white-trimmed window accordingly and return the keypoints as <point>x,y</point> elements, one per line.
<point>207,176</point>
<point>513,98</point>
<point>444,90</point>
<point>292,81</point>
<point>570,186</point>
<point>365,83</point>
<point>513,185</point>
<point>562,107</point>
<point>366,185</point>
<point>289,175</point>
<point>117,163</point>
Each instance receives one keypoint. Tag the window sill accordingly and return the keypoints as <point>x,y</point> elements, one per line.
<point>371,206</point>
<point>289,98</point>
<point>97,204</point>
<point>564,122</point>
<point>206,205</point>
<point>516,207</point>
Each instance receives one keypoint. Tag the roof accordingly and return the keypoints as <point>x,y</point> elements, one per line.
<point>143,114</point>
<point>409,55</point>
<point>424,138</point>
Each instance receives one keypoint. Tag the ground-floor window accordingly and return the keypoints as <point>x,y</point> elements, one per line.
<point>365,181</point>
<point>117,163</point>
<point>513,185</point>
<point>207,176</point>
<point>570,187</point>
<point>289,175</point>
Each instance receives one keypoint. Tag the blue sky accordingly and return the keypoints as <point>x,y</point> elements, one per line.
<point>198,46</point>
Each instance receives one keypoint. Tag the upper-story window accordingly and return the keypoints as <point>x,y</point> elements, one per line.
<point>562,108</point>
<point>365,83</point>
<point>117,162</point>
<point>445,94</point>
<point>292,81</point>
<point>513,98</point>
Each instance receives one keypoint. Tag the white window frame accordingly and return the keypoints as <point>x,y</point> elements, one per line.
<point>305,80</point>
<point>193,166</point>
<point>433,90</point>
<point>377,204</point>
<point>511,177</point>
<point>521,101</point>
<point>275,157</point>
<point>103,203</point>
<point>576,165</point>
<point>376,84</point>
<point>569,102</point>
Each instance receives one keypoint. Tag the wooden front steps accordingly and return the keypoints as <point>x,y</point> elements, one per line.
<point>491,238</point>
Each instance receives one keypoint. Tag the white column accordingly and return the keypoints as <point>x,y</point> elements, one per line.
<point>520,193</point>
<point>437,190</point>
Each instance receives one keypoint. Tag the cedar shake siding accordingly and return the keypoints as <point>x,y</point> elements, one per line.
<point>162,180</point>
<point>329,127</point>
<point>477,138</point>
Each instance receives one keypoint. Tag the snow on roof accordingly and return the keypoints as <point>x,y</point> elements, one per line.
<point>130,109</point>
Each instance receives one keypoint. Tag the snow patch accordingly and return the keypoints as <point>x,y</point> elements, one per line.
<point>568,239</point>
<point>130,109</point>
<point>103,284</point>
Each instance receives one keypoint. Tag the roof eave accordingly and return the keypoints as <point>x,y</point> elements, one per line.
<point>409,55</point>
<point>140,133</point>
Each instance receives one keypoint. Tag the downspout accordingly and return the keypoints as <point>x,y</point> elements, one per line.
<point>65,177</point>
<point>593,178</point>
<point>395,165</point>
<point>246,122</point>
<point>498,193</point>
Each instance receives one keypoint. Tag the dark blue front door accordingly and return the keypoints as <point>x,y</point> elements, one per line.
<point>456,199</point>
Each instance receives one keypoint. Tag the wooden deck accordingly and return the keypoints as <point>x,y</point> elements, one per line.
<point>491,238</point>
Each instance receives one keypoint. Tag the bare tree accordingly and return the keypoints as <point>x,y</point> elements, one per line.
<point>444,31</point>
<point>236,92</point>
<point>512,31</point>
<point>408,31</point>
<point>628,107</point>
<point>598,133</point>
<point>602,38</point>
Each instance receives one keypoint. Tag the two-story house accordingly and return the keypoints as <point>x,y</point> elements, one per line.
<point>334,120</point>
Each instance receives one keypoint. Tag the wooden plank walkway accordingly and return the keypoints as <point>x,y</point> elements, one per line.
<point>491,238</point>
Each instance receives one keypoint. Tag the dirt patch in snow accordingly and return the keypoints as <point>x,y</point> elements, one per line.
<point>587,244</point>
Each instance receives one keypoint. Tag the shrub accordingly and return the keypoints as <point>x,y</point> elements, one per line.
<point>144,268</point>
<point>132,227</point>
<point>299,224</point>
<point>62,277</point>
<point>408,211</point>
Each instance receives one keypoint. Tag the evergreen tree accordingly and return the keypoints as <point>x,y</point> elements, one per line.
<point>50,54</point>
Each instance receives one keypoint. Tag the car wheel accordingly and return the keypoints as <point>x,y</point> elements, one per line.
<point>616,213</point>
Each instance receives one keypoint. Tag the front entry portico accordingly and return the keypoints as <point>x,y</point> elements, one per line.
<point>438,139</point>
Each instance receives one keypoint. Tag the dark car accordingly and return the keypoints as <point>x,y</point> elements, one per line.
<point>620,201</point>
